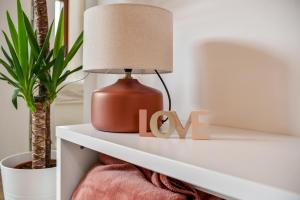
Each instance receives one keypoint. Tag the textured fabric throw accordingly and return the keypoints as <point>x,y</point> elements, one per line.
<point>114,179</point>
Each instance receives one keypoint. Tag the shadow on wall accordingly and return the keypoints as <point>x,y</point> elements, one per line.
<point>243,86</point>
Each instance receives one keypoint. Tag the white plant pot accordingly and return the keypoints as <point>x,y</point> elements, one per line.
<point>27,184</point>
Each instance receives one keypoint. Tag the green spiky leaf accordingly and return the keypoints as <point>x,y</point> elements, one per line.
<point>9,69</point>
<point>22,40</point>
<point>31,36</point>
<point>19,70</point>
<point>58,68</point>
<point>77,44</point>
<point>59,34</point>
<point>13,31</point>
<point>14,98</point>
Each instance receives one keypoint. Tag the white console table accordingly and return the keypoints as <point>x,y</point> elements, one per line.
<point>234,164</point>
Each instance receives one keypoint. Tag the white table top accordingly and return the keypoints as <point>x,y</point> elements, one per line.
<point>235,163</point>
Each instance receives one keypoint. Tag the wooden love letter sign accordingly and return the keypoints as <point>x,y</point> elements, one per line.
<point>174,124</point>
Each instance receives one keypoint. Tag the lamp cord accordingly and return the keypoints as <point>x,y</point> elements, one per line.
<point>167,91</point>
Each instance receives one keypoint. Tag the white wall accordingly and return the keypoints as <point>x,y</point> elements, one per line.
<point>242,62</point>
<point>237,58</point>
<point>90,83</point>
<point>14,127</point>
<point>76,9</point>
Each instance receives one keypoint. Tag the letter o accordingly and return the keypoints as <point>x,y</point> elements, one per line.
<point>153,124</point>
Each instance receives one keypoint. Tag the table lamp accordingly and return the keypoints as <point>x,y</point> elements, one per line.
<point>126,39</point>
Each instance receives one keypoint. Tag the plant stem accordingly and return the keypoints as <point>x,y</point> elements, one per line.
<point>39,136</point>
<point>48,136</point>
<point>30,131</point>
<point>43,93</point>
<point>41,23</point>
<point>41,20</point>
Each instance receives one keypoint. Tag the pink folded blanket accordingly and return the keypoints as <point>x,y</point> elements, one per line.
<point>114,179</point>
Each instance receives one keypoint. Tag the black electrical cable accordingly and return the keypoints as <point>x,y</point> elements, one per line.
<point>167,91</point>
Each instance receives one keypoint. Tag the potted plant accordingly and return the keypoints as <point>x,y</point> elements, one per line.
<point>37,72</point>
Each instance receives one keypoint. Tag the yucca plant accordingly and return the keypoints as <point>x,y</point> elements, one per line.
<point>29,68</point>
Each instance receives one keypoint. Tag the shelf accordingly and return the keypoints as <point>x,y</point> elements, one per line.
<point>235,163</point>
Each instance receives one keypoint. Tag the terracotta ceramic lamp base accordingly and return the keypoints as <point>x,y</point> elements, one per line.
<point>116,108</point>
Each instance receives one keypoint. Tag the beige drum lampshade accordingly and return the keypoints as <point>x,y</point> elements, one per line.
<point>135,36</point>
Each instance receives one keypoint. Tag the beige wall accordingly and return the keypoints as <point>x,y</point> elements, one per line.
<point>14,129</point>
<point>237,58</point>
